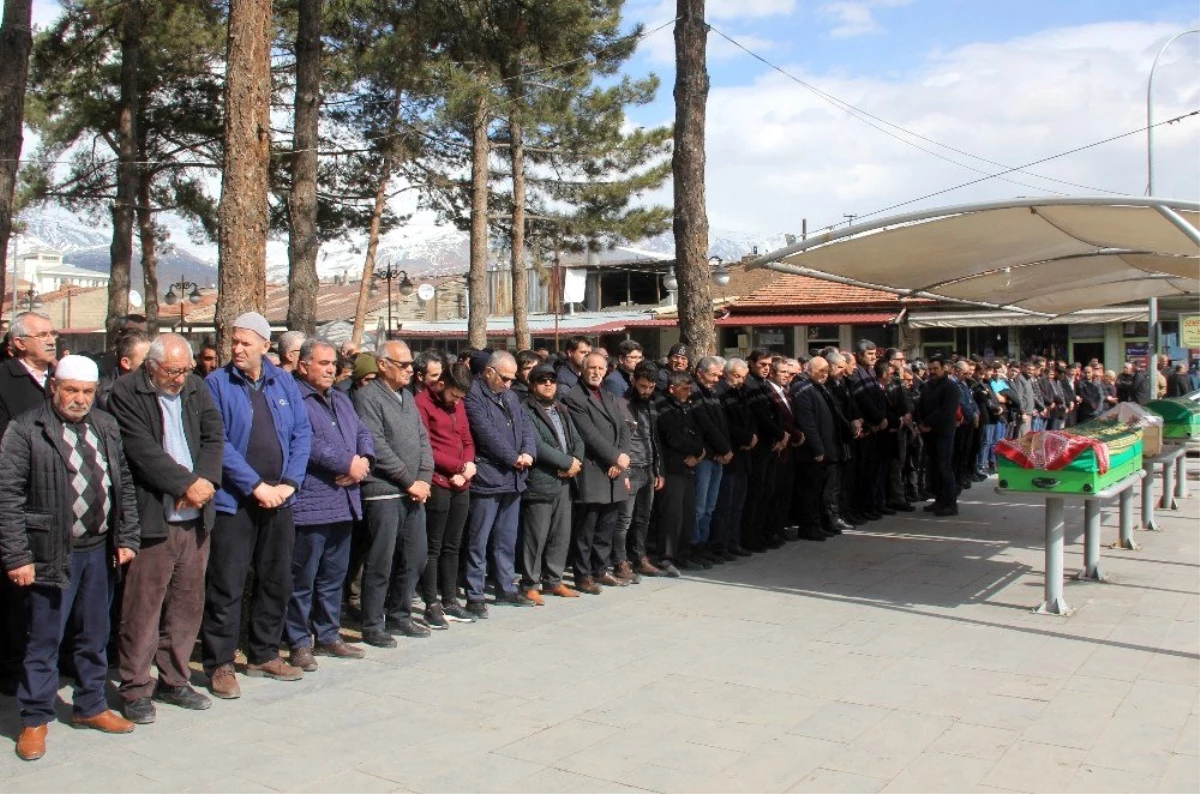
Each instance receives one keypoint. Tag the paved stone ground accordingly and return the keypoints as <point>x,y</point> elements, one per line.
<point>899,658</point>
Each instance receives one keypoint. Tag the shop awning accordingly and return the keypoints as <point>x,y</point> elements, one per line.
<point>1047,256</point>
<point>1004,319</point>
<point>809,318</point>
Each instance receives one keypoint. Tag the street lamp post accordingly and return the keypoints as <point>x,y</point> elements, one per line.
<point>32,301</point>
<point>172,297</point>
<point>390,273</point>
<point>719,275</point>
<point>1152,307</point>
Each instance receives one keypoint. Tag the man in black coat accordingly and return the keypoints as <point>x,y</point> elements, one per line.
<point>175,441</point>
<point>725,538</point>
<point>603,484</point>
<point>869,396</point>
<point>819,454</point>
<point>939,417</point>
<point>683,449</point>
<point>630,558</point>
<point>68,520</point>
<point>1178,382</point>
<point>714,426</point>
<point>763,461</point>
<point>23,380</point>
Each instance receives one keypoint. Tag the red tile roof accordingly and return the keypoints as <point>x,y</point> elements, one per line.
<point>810,318</point>
<point>791,291</point>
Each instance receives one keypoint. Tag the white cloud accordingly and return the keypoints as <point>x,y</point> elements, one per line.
<point>857,17</point>
<point>776,153</point>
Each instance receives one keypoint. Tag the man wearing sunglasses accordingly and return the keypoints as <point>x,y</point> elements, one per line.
<point>394,496</point>
<point>505,449</point>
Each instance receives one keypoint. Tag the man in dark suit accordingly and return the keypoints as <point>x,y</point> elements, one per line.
<point>820,452</point>
<point>939,418</point>
<point>23,380</point>
<point>603,484</point>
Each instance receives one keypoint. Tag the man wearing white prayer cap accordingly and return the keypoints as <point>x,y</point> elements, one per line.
<point>68,516</point>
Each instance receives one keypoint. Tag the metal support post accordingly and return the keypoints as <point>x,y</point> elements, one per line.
<point>1181,483</point>
<point>1091,542</point>
<point>1054,603</point>
<point>1148,522</point>
<point>1126,539</point>
<point>1168,494</point>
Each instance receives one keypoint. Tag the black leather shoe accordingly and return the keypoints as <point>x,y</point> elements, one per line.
<point>740,552</point>
<point>379,639</point>
<point>819,538</point>
<point>182,696</point>
<point>901,507</point>
<point>140,711</point>
<point>887,511</point>
<point>932,507</point>
<point>871,515</point>
<point>408,628</point>
<point>840,526</point>
<point>942,512</point>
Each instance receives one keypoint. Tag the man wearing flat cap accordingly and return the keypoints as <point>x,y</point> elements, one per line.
<point>68,520</point>
<point>267,441</point>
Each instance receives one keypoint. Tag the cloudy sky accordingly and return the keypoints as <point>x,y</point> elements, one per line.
<point>1005,81</point>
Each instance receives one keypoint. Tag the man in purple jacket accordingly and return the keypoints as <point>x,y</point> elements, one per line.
<point>327,505</point>
<point>505,449</point>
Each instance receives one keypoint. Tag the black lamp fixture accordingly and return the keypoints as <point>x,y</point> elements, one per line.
<point>720,274</point>
<point>172,297</point>
<point>390,273</point>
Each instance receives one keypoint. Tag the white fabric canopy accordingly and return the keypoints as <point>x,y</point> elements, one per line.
<point>1048,256</point>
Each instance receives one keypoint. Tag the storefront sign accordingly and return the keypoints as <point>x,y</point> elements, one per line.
<point>1189,330</point>
<point>1136,350</point>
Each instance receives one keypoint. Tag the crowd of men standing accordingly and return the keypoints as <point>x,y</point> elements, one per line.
<point>135,504</point>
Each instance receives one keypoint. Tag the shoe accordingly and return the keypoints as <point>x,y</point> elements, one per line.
<point>275,668</point>
<point>477,610</point>
<point>455,613</point>
<point>339,649</point>
<point>830,532</point>
<point>586,584</point>
<point>887,511</point>
<point>964,485</point>
<point>562,591</point>
<point>140,711</point>
<point>927,495</point>
<point>840,526</point>
<point>379,639</point>
<point>514,599</point>
<point>949,510</point>
<point>646,568</point>
<point>624,571</point>
<point>222,682</point>
<point>31,744</point>
<point>853,519</point>
<point>929,508</point>
<point>728,555</point>
<point>435,616</point>
<point>901,507</point>
<point>535,597</point>
<point>608,580</point>
<point>738,551</point>
<point>911,496</point>
<point>182,696</point>
<point>407,628</point>
<point>303,658</point>
<point>774,543</point>
<point>685,564</point>
<point>105,722</point>
<point>668,569</point>
<point>820,538</point>
<point>871,515</point>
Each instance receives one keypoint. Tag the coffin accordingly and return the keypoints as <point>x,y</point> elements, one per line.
<point>1150,423</point>
<point>1083,459</point>
<point>1181,417</point>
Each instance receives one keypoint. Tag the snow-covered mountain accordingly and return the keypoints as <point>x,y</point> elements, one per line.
<point>421,246</point>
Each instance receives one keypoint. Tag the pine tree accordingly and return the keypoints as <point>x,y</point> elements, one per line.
<point>303,243</point>
<point>16,41</point>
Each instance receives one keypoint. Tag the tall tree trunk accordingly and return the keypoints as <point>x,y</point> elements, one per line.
<point>16,40</point>
<point>520,286</point>
<point>687,166</point>
<point>477,312</point>
<point>128,170</point>
<point>364,288</point>
<point>243,214</point>
<point>149,241</point>
<point>302,201</point>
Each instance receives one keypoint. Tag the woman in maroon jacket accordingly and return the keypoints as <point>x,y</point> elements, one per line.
<point>445,418</point>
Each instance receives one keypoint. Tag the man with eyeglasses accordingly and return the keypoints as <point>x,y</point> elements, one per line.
<point>505,449</point>
<point>174,440</point>
<point>267,442</point>
<point>394,497</point>
<point>23,380</point>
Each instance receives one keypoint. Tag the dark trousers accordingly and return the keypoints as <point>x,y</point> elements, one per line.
<point>162,609</point>
<point>727,520</point>
<point>813,512</point>
<point>869,462</point>
<point>14,633</point>
<point>943,453</point>
<point>831,492</point>
<point>319,564</point>
<point>760,491</point>
<point>779,510</point>
<point>633,521</point>
<point>592,536</point>
<point>495,517</point>
<point>251,537</point>
<point>396,555</point>
<point>962,454</point>
<point>80,610</point>
<point>359,540</point>
<point>445,518</point>
<point>678,517</point>
<point>545,539</point>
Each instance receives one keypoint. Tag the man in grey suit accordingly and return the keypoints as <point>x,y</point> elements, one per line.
<point>394,496</point>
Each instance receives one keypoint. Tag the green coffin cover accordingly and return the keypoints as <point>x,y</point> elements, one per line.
<point>1181,417</point>
<point>1081,475</point>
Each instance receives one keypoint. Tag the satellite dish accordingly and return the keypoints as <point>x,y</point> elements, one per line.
<point>425,292</point>
<point>135,299</point>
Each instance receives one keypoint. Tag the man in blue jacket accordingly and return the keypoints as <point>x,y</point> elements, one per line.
<point>267,442</point>
<point>505,449</point>
<point>326,508</point>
